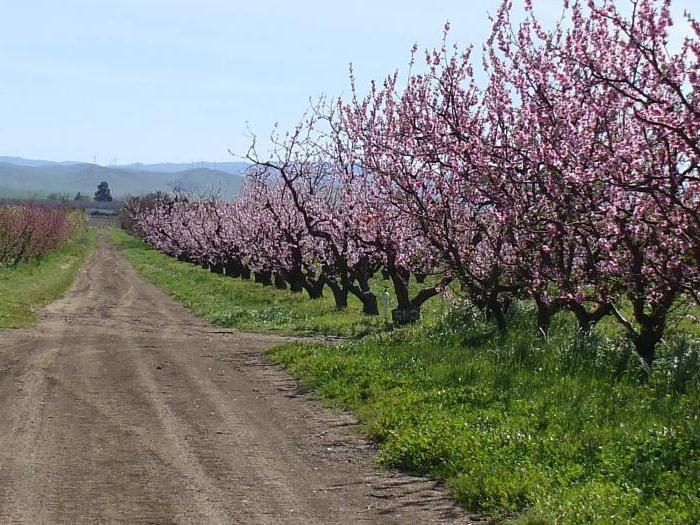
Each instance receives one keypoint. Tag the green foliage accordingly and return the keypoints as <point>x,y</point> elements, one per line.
<point>29,286</point>
<point>549,431</point>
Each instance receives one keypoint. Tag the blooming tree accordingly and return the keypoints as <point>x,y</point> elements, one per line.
<point>570,178</point>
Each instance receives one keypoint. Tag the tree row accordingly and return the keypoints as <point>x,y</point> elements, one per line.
<point>568,177</point>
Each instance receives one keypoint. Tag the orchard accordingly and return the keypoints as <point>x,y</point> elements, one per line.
<point>29,232</point>
<point>569,178</point>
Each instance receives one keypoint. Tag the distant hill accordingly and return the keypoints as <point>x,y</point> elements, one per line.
<point>19,161</point>
<point>234,168</point>
<point>20,176</point>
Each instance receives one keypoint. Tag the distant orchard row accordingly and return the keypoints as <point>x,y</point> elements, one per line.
<point>29,231</point>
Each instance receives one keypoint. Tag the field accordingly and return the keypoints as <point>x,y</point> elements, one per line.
<point>558,430</point>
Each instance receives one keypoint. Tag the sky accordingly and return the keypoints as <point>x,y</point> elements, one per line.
<point>184,80</point>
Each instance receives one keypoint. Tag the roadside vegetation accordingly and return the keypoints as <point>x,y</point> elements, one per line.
<point>42,252</point>
<point>28,232</point>
<point>527,429</point>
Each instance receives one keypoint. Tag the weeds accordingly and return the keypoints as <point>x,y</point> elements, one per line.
<point>35,283</point>
<point>552,431</point>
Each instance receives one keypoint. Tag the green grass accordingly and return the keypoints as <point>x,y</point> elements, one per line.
<point>527,430</point>
<point>245,305</point>
<point>31,285</point>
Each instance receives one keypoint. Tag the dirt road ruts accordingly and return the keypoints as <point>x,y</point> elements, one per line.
<point>122,407</point>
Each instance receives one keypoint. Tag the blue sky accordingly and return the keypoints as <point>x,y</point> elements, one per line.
<point>177,80</point>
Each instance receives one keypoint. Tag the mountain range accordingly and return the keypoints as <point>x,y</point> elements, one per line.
<point>27,177</point>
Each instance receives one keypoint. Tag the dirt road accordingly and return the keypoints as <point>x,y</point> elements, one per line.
<point>123,407</point>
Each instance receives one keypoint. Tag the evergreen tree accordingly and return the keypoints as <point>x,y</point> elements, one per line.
<point>103,193</point>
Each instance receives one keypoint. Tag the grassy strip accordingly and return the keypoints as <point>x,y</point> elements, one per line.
<point>244,305</point>
<point>31,285</point>
<point>534,431</point>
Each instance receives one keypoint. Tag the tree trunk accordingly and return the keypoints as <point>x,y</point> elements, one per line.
<point>651,323</point>
<point>217,268</point>
<point>233,269</point>
<point>279,281</point>
<point>340,295</point>
<point>341,298</point>
<point>365,295</point>
<point>245,272</point>
<point>264,278</point>
<point>314,289</point>
<point>369,304</point>
<point>587,320</point>
<point>645,343</point>
<point>296,286</point>
<point>495,310</point>
<point>296,280</point>
<point>499,316</point>
<point>651,328</point>
<point>545,311</point>
<point>407,312</point>
<point>362,292</point>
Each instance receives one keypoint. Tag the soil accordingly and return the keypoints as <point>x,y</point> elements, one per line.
<point>123,407</point>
